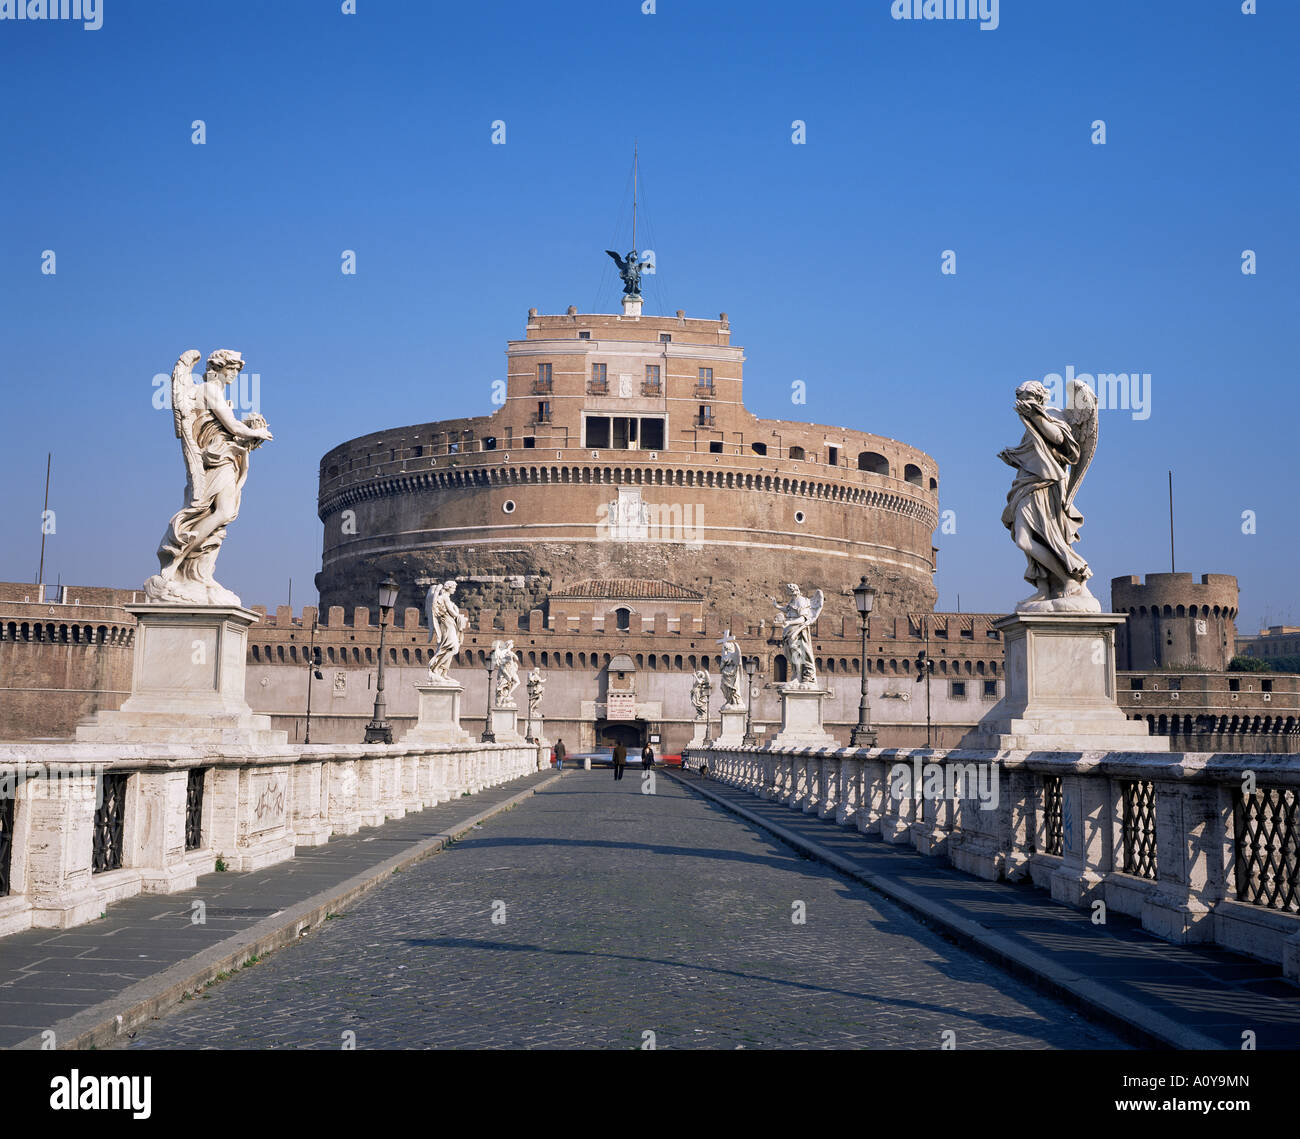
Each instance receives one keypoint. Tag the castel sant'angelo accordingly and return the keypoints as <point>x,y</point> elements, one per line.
<point>623,473</point>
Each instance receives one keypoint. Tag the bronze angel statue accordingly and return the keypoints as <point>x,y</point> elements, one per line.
<point>215,446</point>
<point>1050,463</point>
<point>629,269</point>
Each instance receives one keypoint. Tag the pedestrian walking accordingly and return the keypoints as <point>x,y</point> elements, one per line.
<point>620,759</point>
<point>558,752</point>
<point>647,757</point>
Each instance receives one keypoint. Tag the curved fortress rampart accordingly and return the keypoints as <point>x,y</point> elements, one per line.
<point>1176,622</point>
<point>626,455</point>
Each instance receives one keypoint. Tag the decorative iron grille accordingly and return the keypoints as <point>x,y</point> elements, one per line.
<point>1052,814</point>
<point>110,817</point>
<point>1267,858</point>
<point>6,841</point>
<point>194,808</point>
<point>1140,828</point>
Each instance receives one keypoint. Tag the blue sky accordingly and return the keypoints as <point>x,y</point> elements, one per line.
<point>372,132</point>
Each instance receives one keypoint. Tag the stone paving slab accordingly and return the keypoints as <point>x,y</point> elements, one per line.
<point>146,951</point>
<point>596,916</point>
<point>1181,996</point>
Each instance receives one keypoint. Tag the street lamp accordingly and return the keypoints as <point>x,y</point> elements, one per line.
<point>864,597</point>
<point>924,670</point>
<point>379,730</point>
<point>313,670</point>
<point>488,736</point>
<point>751,666</point>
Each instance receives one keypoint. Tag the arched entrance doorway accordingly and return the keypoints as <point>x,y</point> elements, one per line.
<point>630,733</point>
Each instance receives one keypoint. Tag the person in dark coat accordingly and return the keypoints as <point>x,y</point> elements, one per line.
<point>647,757</point>
<point>559,751</point>
<point>620,759</point>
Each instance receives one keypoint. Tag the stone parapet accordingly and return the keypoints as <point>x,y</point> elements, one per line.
<point>97,822</point>
<point>1192,845</point>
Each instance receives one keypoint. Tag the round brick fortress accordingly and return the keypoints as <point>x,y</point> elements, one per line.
<point>1175,622</point>
<point>623,451</point>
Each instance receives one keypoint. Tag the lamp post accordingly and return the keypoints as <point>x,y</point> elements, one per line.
<point>924,670</point>
<point>864,597</point>
<point>751,666</point>
<point>379,730</point>
<point>488,736</point>
<point>313,671</point>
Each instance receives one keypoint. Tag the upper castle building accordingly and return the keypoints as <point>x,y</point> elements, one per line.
<point>623,453</point>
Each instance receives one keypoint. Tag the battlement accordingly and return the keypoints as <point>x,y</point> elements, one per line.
<point>1215,592</point>
<point>683,329</point>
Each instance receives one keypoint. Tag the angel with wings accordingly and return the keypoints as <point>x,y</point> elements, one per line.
<point>629,269</point>
<point>506,663</point>
<point>215,446</point>
<point>446,626</point>
<point>1050,463</point>
<point>800,613</point>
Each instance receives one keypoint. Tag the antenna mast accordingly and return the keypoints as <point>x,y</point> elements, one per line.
<point>635,160</point>
<point>45,513</point>
<point>1171,521</point>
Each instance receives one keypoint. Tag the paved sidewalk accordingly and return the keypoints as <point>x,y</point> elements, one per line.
<point>147,952</point>
<point>1181,996</point>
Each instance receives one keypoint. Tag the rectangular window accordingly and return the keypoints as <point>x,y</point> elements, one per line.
<point>706,377</point>
<point>652,434</point>
<point>417,450</point>
<point>833,456</point>
<point>597,431</point>
<point>1135,683</point>
<point>1266,686</point>
<point>599,373</point>
<point>715,447</point>
<point>1234,685</point>
<point>665,338</point>
<point>991,688</point>
<point>959,690</point>
<point>1175,684</point>
<point>584,335</point>
<point>529,441</point>
<point>543,373</point>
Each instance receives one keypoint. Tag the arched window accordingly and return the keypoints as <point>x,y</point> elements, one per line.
<point>780,670</point>
<point>796,453</point>
<point>873,462</point>
<point>912,474</point>
<point>623,618</point>
<point>758,448</point>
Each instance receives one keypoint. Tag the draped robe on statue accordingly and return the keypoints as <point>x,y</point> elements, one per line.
<point>1037,498</point>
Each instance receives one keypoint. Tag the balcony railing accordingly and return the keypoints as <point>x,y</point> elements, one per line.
<point>541,387</point>
<point>652,387</point>
<point>598,387</point>
<point>704,391</point>
<point>538,418</point>
<point>704,421</point>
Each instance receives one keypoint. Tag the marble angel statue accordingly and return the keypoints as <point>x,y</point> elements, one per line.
<point>1050,463</point>
<point>729,671</point>
<point>506,664</point>
<point>536,684</point>
<point>446,627</point>
<point>700,689</point>
<point>800,613</point>
<point>215,446</point>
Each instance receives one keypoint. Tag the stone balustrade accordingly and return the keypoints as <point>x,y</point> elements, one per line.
<point>1199,847</point>
<point>83,825</point>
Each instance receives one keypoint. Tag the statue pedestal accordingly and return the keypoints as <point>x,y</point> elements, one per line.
<point>801,719</point>
<point>1060,694</point>
<point>631,306</point>
<point>733,728</point>
<point>187,683</point>
<point>439,719</point>
<point>699,733</point>
<point>505,725</point>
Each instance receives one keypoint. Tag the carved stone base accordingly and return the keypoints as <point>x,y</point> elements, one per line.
<point>699,732</point>
<point>187,685</point>
<point>1060,696</point>
<point>505,725</point>
<point>733,728</point>
<point>439,718</point>
<point>801,719</point>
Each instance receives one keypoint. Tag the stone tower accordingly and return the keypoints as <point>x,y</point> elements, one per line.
<point>1175,622</point>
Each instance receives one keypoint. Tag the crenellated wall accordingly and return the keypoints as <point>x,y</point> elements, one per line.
<point>1175,622</point>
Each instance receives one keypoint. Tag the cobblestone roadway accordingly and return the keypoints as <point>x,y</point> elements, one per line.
<point>625,913</point>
